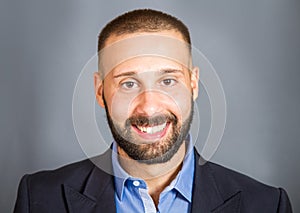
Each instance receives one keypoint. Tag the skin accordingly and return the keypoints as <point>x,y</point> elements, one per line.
<point>146,86</point>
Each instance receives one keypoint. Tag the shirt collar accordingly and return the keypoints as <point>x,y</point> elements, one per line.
<point>120,174</point>
<point>183,182</point>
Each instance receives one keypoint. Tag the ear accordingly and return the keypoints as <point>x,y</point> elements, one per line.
<point>195,82</point>
<point>98,85</point>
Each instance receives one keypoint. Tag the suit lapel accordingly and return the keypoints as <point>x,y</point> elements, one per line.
<point>206,192</point>
<point>231,205</point>
<point>78,202</point>
<point>98,193</point>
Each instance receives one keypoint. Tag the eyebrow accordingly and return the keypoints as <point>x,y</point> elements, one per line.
<point>160,72</point>
<point>167,71</point>
<point>125,74</point>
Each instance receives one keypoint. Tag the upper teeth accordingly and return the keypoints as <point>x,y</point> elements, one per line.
<point>152,129</point>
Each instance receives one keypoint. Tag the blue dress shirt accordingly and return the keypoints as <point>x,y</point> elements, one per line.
<point>131,194</point>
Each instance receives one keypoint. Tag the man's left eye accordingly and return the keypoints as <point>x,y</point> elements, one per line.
<point>168,82</point>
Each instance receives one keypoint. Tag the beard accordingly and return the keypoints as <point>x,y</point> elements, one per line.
<point>159,151</point>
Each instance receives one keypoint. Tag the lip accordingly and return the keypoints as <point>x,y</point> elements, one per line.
<point>154,136</point>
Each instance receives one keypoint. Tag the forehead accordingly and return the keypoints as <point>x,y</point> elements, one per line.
<point>150,64</point>
<point>167,33</point>
<point>145,50</point>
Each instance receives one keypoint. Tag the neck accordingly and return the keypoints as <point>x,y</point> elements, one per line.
<point>157,176</point>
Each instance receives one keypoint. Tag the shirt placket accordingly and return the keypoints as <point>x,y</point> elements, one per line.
<point>147,201</point>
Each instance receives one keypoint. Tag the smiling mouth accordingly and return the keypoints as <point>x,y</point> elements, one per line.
<point>152,129</point>
<point>152,132</point>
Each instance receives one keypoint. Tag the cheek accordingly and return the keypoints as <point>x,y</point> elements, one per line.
<point>120,107</point>
<point>117,103</point>
<point>181,97</point>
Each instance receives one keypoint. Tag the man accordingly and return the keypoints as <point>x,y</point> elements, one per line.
<point>147,85</point>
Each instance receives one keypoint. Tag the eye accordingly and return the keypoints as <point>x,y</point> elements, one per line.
<point>129,85</point>
<point>168,82</point>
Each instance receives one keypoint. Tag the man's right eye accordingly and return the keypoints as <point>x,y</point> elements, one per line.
<point>129,85</point>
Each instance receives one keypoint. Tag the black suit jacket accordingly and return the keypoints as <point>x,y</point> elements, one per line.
<point>83,187</point>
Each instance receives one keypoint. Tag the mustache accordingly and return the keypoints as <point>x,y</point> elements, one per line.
<point>141,120</point>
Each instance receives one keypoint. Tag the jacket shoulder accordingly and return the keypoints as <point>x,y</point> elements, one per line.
<point>236,179</point>
<point>255,194</point>
<point>73,174</point>
<point>40,190</point>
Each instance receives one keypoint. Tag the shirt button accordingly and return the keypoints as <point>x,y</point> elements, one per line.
<point>136,183</point>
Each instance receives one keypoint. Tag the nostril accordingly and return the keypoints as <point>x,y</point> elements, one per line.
<point>149,103</point>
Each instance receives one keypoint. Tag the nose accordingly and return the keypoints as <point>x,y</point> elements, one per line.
<point>149,103</point>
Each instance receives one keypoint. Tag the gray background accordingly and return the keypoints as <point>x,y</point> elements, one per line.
<point>253,45</point>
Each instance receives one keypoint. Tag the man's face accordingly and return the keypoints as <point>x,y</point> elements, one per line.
<point>149,104</point>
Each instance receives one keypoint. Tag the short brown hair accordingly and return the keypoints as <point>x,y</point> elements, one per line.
<point>142,20</point>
